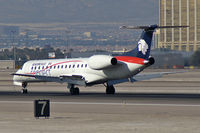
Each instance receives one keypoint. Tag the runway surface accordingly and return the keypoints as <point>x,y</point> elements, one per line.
<point>168,104</point>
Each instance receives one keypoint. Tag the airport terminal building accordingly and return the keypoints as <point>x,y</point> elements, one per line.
<point>180,12</point>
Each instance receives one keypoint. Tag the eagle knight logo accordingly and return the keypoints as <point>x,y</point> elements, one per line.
<point>142,46</point>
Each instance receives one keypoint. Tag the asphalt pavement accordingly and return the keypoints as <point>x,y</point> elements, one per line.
<point>165,105</point>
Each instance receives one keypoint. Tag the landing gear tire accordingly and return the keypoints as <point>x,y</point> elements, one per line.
<point>110,89</point>
<point>24,90</point>
<point>74,91</point>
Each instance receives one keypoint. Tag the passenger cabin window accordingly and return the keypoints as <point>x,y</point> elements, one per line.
<point>54,67</point>
<point>43,67</point>
<point>31,68</point>
<point>69,66</point>
<point>39,67</point>
<point>82,65</point>
<point>78,66</point>
<point>85,65</point>
<point>73,66</point>
<point>58,66</point>
<point>62,66</point>
<point>65,66</point>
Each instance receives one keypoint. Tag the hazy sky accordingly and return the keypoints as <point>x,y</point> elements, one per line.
<point>51,11</point>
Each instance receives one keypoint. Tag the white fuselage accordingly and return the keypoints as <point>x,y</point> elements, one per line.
<point>126,67</point>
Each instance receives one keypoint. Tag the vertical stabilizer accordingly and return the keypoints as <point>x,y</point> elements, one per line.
<point>144,44</point>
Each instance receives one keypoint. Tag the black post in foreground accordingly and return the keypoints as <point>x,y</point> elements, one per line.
<point>42,108</point>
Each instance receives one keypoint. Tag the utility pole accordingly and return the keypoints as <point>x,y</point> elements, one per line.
<point>67,32</point>
<point>14,52</point>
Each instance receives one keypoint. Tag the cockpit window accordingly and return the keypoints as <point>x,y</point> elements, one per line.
<point>22,67</point>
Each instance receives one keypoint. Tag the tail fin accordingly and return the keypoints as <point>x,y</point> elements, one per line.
<point>144,44</point>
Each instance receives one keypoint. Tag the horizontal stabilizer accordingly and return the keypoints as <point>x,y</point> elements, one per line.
<point>151,27</point>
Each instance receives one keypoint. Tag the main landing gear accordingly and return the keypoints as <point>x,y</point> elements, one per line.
<point>24,90</point>
<point>73,90</point>
<point>110,89</point>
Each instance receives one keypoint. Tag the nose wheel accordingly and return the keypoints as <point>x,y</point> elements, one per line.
<point>74,91</point>
<point>110,89</point>
<point>24,90</point>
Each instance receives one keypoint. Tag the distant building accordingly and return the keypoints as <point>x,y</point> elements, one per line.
<point>88,54</point>
<point>89,34</point>
<point>168,58</point>
<point>6,64</point>
<point>51,55</point>
<point>9,30</point>
<point>180,12</point>
<point>155,40</point>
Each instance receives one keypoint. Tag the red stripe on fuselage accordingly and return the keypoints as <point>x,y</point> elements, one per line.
<point>130,59</point>
<point>48,67</point>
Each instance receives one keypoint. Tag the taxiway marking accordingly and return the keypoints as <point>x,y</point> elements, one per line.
<point>111,103</point>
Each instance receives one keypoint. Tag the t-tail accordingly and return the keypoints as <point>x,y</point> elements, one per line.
<point>144,44</point>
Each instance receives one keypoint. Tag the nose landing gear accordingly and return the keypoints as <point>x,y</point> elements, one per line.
<point>24,90</point>
<point>74,91</point>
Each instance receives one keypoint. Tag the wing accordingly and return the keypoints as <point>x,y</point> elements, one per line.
<point>141,77</point>
<point>71,79</point>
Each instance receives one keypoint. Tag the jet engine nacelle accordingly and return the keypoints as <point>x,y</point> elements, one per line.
<point>151,60</point>
<point>99,62</point>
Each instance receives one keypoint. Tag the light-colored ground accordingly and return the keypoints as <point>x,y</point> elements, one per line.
<point>167,105</point>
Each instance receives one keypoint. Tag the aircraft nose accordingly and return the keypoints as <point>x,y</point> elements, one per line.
<point>15,77</point>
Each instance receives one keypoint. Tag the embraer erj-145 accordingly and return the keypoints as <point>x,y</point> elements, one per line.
<point>97,69</point>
